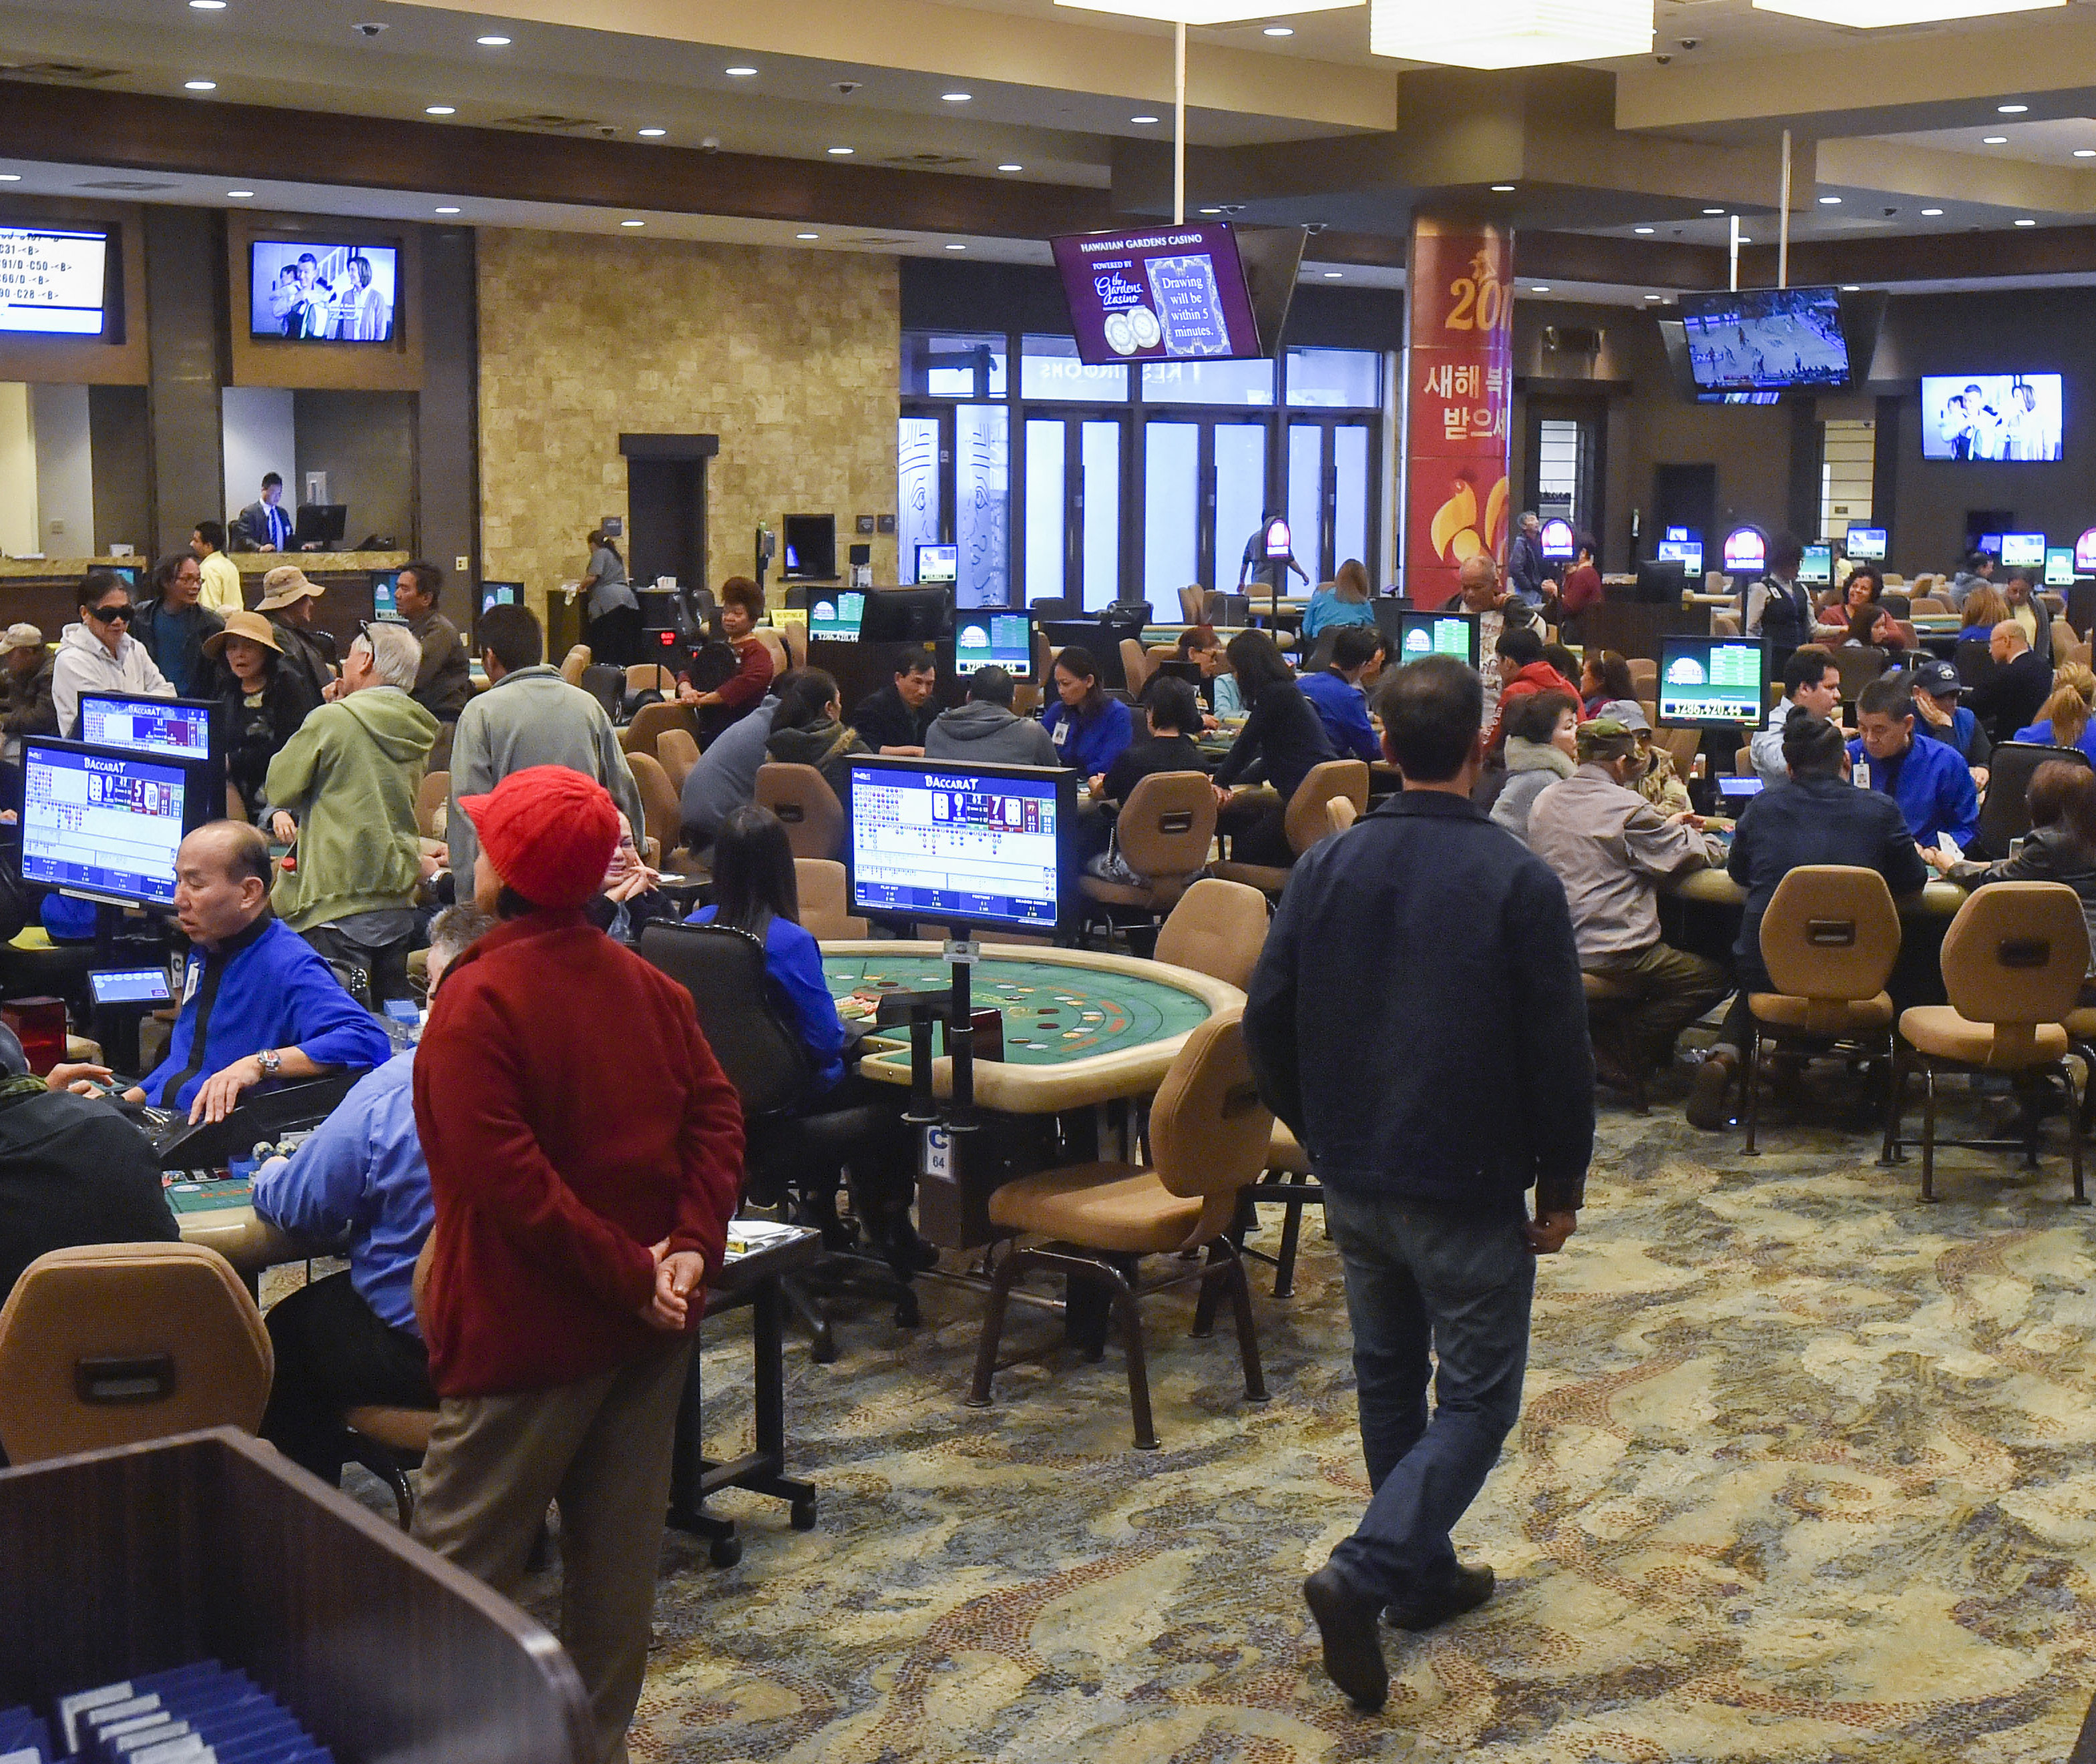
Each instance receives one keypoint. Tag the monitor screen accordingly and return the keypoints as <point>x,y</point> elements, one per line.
<point>1557,540</point>
<point>1677,534</point>
<point>104,823</point>
<point>2021,551</point>
<point>129,986</point>
<point>501,594</point>
<point>173,728</point>
<point>2060,566</point>
<point>128,574</point>
<point>1817,565</point>
<point>1766,339</point>
<point>316,293</point>
<point>2084,554</point>
<point>1719,682</point>
<point>1165,294</point>
<point>384,605</point>
<point>938,563</point>
<point>52,281</point>
<point>835,617</point>
<point>1425,634</point>
<point>1866,545</point>
<point>987,845</point>
<point>2013,417</point>
<point>1991,544</point>
<point>1280,542</point>
<point>1688,552</point>
<point>988,639</point>
<point>1745,550</point>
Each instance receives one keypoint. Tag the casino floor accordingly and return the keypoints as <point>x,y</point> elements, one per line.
<point>1802,1474</point>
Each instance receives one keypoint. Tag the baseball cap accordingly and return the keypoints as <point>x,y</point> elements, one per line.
<point>1605,738</point>
<point>1939,679</point>
<point>1628,712</point>
<point>20,637</point>
<point>283,585</point>
<point>549,832</point>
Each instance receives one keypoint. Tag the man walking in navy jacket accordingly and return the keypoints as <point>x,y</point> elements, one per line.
<point>1451,945</point>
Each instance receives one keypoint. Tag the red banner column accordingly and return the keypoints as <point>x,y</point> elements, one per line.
<point>1458,399</point>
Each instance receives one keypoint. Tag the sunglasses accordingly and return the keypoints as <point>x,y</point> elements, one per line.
<point>111,615</point>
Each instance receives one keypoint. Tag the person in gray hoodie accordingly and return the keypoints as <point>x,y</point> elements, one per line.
<point>984,731</point>
<point>1542,746</point>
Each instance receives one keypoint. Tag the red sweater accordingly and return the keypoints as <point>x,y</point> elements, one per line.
<point>572,1114</point>
<point>1582,589</point>
<point>753,675</point>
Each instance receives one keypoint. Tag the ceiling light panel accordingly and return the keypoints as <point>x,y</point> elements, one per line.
<point>1877,14</point>
<point>1517,33</point>
<point>1205,11</point>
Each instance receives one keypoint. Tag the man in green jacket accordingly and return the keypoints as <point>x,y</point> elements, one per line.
<point>344,789</point>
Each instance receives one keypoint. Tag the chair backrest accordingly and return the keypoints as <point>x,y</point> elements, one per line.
<point>573,663</point>
<point>236,808</point>
<point>1681,746</point>
<point>649,676</point>
<point>679,751</point>
<point>801,797</point>
<point>1899,605</point>
<point>797,645</point>
<point>641,735</point>
<point>745,1019</point>
<point>825,902</point>
<point>659,806</point>
<point>2064,638</point>
<point>1217,928</point>
<point>775,644</point>
<point>1306,822</point>
<point>1208,1130</point>
<point>1190,604</point>
<point>1644,676</point>
<point>434,792</point>
<point>1858,664</point>
<point>1928,608</point>
<point>606,684</point>
<point>2014,956</point>
<point>108,1344</point>
<point>2005,816</point>
<point>1831,934</point>
<point>1743,761</point>
<point>1723,624</point>
<point>1340,813</point>
<point>1135,665</point>
<point>1167,825</point>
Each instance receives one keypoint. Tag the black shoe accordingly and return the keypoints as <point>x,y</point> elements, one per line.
<point>1707,1092</point>
<point>1464,1591</point>
<point>907,1252</point>
<point>1346,1624</point>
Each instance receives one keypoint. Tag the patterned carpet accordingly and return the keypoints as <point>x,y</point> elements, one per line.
<point>1805,1472</point>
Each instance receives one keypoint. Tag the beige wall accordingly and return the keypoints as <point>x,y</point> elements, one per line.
<point>790,357</point>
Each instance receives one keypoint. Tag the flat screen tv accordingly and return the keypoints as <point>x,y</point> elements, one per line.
<point>2022,551</point>
<point>1687,552</point>
<point>1746,551</point>
<point>2014,418</point>
<point>1712,682</point>
<point>54,282</point>
<point>1766,339</point>
<point>1161,294</point>
<point>1866,545</point>
<point>2085,553</point>
<point>1557,543</point>
<point>312,292</point>
<point>1816,567</point>
<point>105,823</point>
<point>2060,566</point>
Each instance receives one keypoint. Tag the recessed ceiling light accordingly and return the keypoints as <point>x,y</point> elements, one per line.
<point>2011,110</point>
<point>199,86</point>
<point>440,110</point>
<point>1713,210</point>
<point>1142,119</point>
<point>1011,166</point>
<point>448,210</point>
<point>1852,287</point>
<point>1931,212</point>
<point>1334,275</point>
<point>807,235</point>
<point>492,42</point>
<point>1745,240</point>
<point>955,97</point>
<point>1277,30</point>
<point>1830,201</point>
<point>2027,223</point>
<point>633,222</point>
<point>739,73</point>
<point>208,6</point>
<point>1539,287</point>
<point>1640,230</point>
<point>1652,297</point>
<point>1993,141</point>
<point>840,152</point>
<point>11,178</point>
<point>240,195</point>
<point>1503,189</point>
<point>957,247</point>
<point>651,134</point>
<point>1212,211</point>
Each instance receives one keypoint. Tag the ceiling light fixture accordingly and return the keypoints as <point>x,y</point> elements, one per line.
<point>651,134</point>
<point>1141,119</point>
<point>440,110</point>
<point>1713,210</point>
<point>955,97</point>
<point>1852,287</point>
<point>239,195</point>
<point>199,86</point>
<point>633,222</point>
<point>1502,189</point>
<point>448,210</point>
<point>15,177</point>
<point>1653,297</point>
<point>1540,287</point>
<point>1277,30</point>
<point>2011,110</point>
<point>208,6</point>
<point>1830,201</point>
<point>1202,12</point>
<point>2027,223</point>
<point>807,235</point>
<point>1334,275</point>
<point>1930,213</point>
<point>1640,230</point>
<point>485,42</point>
<point>1993,141</point>
<point>1011,166</point>
<point>1875,15</point>
<point>1517,33</point>
<point>1745,240</point>
<point>2084,153</point>
<point>957,247</point>
<point>739,73</point>
<point>841,153</point>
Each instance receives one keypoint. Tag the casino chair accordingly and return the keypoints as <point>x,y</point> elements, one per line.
<point>1193,604</point>
<point>651,721</point>
<point>1340,813</point>
<point>661,810</point>
<point>1306,822</point>
<point>1135,666</point>
<point>1217,928</point>
<point>1858,664</point>
<point>574,662</point>
<point>649,676</point>
<point>1724,624</point>
<point>751,1029</point>
<point>389,1441</point>
<point>2013,962</point>
<point>1829,941</point>
<point>1610,1007</point>
<point>434,793</point>
<point>109,1344</point>
<point>775,644</point>
<point>1162,832</point>
<point>1645,677</point>
<point>801,797</point>
<point>795,637</point>
<point>825,902</point>
<point>1209,1135</point>
<point>678,751</point>
<point>2005,815</point>
<point>607,685</point>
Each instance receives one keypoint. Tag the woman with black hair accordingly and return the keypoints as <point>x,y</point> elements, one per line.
<point>613,608</point>
<point>1088,729</point>
<point>1284,735</point>
<point>265,700</point>
<point>807,729</point>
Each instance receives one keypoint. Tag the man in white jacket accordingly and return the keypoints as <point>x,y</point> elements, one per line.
<point>99,654</point>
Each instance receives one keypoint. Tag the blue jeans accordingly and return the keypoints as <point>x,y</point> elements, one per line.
<point>1461,1285</point>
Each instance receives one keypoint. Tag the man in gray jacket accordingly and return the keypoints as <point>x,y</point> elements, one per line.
<point>985,733</point>
<point>528,716</point>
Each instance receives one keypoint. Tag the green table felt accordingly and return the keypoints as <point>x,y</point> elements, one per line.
<point>212,1196</point>
<point>1052,1013</point>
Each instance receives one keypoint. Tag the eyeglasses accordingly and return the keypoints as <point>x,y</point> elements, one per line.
<point>113,615</point>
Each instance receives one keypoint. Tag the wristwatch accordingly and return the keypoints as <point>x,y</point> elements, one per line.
<point>271,1061</point>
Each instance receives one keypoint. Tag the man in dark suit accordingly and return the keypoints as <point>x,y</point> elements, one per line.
<point>266,525</point>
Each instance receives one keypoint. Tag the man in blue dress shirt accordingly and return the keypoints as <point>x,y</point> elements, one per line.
<point>352,1338</point>
<point>1336,692</point>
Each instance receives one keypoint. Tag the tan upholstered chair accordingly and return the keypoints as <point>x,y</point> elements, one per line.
<point>2013,960</point>
<point>650,720</point>
<point>1136,665</point>
<point>434,793</point>
<point>797,645</point>
<point>1340,813</point>
<point>1193,605</point>
<point>236,808</point>
<point>1306,820</point>
<point>775,645</point>
<point>1724,624</point>
<point>1163,833</point>
<point>1829,939</point>
<point>826,913</point>
<point>573,663</point>
<point>387,1441</point>
<point>1218,928</point>
<point>1679,745</point>
<point>678,749</point>
<point>1208,1137</point>
<point>649,676</point>
<point>801,797</point>
<point>1858,664</point>
<point>112,1343</point>
<point>1287,1181</point>
<point>1926,608</point>
<point>1645,677</point>
<point>659,806</point>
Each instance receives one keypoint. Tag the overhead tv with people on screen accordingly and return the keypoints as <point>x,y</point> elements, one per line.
<point>312,292</point>
<point>2008,417</point>
<point>54,281</point>
<point>1766,339</point>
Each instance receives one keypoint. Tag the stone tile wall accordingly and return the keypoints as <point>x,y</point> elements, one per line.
<point>790,357</point>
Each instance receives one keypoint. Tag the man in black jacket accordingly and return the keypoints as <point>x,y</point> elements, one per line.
<point>1450,946</point>
<point>2010,697</point>
<point>896,719</point>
